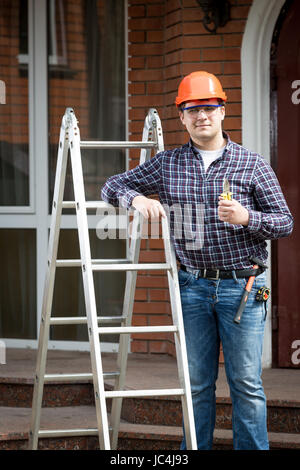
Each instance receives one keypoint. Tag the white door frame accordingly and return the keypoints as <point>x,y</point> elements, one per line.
<point>255,62</point>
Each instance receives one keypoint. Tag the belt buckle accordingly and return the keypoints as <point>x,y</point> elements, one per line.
<point>212,278</point>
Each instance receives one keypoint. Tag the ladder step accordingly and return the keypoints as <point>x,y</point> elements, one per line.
<point>91,144</point>
<point>67,377</point>
<point>137,329</point>
<point>88,205</point>
<point>68,263</point>
<point>83,320</point>
<point>144,393</point>
<point>67,432</point>
<point>131,267</point>
<point>76,377</point>
<point>113,265</point>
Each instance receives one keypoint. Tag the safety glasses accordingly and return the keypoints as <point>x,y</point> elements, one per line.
<point>207,109</point>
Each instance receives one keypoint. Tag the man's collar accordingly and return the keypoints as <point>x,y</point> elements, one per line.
<point>225,135</point>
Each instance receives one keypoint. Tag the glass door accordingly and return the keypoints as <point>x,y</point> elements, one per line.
<point>86,71</point>
<point>56,54</point>
<point>18,293</point>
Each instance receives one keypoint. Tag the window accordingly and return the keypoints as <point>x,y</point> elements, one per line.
<point>94,44</point>
<point>14,125</point>
<point>83,51</point>
<point>56,33</point>
<point>18,283</point>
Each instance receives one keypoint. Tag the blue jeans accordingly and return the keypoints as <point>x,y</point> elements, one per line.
<point>208,310</point>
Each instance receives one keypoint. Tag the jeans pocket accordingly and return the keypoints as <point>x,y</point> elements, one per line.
<point>260,280</point>
<point>241,281</point>
<point>185,278</point>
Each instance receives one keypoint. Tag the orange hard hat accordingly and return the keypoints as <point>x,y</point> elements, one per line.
<point>198,86</point>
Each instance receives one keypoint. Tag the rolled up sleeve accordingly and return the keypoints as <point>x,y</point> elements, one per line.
<point>121,189</point>
<point>272,219</point>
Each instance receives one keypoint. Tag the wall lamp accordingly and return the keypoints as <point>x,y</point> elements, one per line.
<point>216,13</point>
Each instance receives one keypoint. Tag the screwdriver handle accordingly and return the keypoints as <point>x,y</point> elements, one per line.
<point>227,196</point>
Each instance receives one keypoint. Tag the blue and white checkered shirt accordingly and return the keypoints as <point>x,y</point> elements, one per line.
<point>190,195</point>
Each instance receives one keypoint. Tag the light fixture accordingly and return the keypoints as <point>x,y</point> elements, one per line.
<point>216,13</point>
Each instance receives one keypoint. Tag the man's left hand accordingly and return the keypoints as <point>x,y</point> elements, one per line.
<point>232,212</point>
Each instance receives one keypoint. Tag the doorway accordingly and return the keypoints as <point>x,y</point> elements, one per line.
<point>285,159</point>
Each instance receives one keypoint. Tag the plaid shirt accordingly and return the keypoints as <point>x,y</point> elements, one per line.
<point>190,195</point>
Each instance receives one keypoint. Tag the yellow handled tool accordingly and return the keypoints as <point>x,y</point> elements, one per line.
<point>226,194</point>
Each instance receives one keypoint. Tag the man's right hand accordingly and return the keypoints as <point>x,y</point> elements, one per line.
<point>148,207</point>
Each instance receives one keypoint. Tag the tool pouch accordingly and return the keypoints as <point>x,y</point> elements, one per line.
<point>262,295</point>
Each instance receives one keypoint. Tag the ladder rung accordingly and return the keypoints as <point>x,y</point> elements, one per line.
<point>67,432</point>
<point>75,377</point>
<point>88,205</point>
<point>137,329</point>
<point>144,393</point>
<point>83,320</point>
<point>90,144</point>
<point>113,265</point>
<point>68,263</point>
<point>131,267</point>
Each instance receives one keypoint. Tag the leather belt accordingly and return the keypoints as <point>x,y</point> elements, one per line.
<point>215,274</point>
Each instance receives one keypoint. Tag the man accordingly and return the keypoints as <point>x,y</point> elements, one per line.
<point>213,274</point>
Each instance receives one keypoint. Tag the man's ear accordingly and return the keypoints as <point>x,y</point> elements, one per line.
<point>181,116</point>
<point>223,112</point>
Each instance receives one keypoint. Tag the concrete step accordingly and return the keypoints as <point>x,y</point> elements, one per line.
<point>14,429</point>
<point>283,415</point>
<point>15,423</point>
<point>282,387</point>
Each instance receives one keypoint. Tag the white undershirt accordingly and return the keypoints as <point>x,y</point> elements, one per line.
<point>208,156</point>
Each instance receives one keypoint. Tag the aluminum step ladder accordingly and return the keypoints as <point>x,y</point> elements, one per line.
<point>70,144</point>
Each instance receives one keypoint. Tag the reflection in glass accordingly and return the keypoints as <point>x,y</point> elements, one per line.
<point>14,147</point>
<point>68,292</point>
<point>87,73</point>
<point>18,283</point>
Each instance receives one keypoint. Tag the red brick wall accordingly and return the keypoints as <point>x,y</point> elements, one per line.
<point>62,91</point>
<point>167,40</point>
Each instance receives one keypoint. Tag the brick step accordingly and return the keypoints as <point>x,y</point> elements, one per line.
<point>18,392</point>
<point>15,425</point>
<point>283,415</point>
<point>162,411</point>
